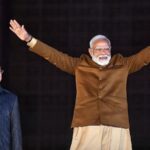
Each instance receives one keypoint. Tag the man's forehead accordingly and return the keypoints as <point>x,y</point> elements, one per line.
<point>100,43</point>
<point>103,46</point>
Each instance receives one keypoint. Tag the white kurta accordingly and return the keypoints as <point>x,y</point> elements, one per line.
<point>101,138</point>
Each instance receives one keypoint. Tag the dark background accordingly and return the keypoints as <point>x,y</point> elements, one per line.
<point>46,94</point>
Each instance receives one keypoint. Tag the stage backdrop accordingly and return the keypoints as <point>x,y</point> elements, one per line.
<point>46,94</point>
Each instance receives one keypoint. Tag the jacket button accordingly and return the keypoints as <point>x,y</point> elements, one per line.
<point>100,78</point>
<point>100,96</point>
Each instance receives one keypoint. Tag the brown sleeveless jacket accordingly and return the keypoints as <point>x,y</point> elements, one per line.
<point>101,91</point>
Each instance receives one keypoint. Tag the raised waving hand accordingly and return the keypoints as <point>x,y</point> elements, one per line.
<point>20,31</point>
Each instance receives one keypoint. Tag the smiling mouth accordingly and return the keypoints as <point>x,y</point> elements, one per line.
<point>103,58</point>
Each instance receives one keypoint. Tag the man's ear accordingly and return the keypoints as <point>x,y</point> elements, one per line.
<point>91,51</point>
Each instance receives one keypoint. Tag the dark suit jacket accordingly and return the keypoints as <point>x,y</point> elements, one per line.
<point>10,130</point>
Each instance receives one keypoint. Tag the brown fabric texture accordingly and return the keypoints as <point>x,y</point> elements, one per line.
<point>101,91</point>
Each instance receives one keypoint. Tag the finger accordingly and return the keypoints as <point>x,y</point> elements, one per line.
<point>17,24</point>
<point>13,25</point>
<point>12,29</point>
<point>23,27</point>
<point>11,22</point>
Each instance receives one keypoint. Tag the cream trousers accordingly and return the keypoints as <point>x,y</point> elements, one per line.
<point>101,138</point>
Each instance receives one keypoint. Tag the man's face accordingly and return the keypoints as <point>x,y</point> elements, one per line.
<point>100,52</point>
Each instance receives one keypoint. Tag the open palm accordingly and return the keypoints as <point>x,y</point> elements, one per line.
<point>19,30</point>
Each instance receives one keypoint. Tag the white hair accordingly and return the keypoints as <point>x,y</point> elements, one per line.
<point>99,37</point>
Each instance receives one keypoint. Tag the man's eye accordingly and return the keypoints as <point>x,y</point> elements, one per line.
<point>98,49</point>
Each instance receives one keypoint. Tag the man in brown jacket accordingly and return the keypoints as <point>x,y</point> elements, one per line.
<point>100,119</point>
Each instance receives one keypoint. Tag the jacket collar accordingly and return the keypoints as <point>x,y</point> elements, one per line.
<point>114,62</point>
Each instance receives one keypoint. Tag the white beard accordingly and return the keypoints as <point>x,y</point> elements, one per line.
<point>102,60</point>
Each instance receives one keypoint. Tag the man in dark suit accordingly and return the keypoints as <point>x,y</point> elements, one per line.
<point>10,130</point>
